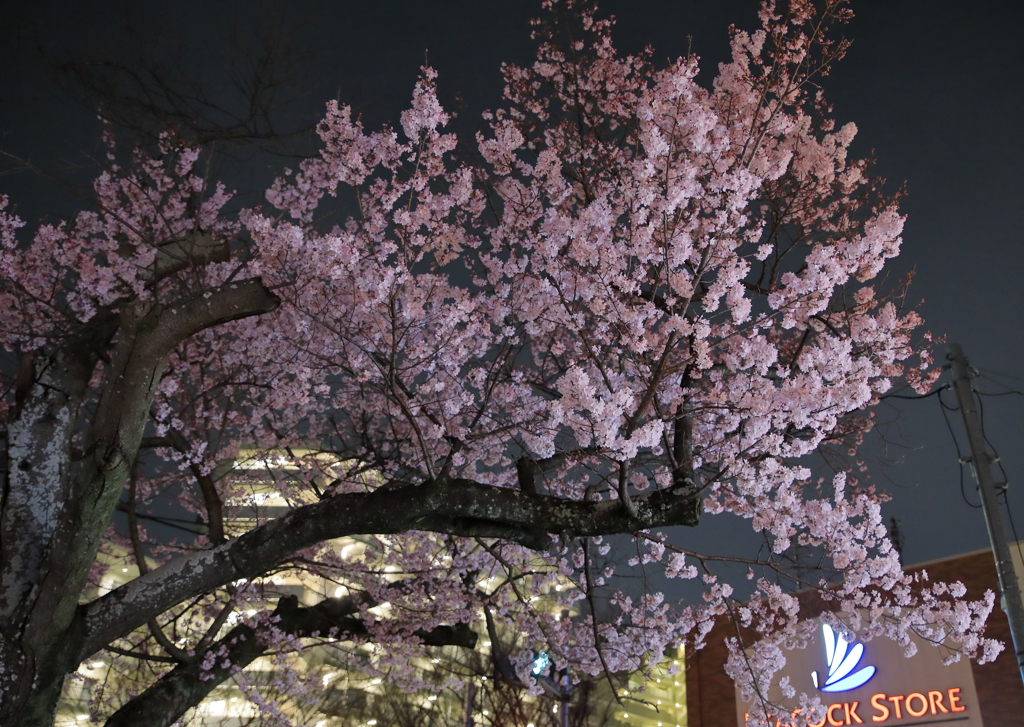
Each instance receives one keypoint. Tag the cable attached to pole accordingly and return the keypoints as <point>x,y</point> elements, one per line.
<point>981,463</point>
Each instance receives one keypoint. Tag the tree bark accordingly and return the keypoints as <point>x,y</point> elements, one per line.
<point>450,506</point>
<point>54,515</point>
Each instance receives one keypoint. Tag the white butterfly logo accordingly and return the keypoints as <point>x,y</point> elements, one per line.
<point>841,661</point>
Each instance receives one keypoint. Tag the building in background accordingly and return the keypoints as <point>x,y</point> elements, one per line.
<point>660,703</point>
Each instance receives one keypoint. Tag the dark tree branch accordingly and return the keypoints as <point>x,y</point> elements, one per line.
<point>208,488</point>
<point>188,684</point>
<point>451,506</point>
<point>140,560</point>
<point>193,251</point>
<point>525,473</point>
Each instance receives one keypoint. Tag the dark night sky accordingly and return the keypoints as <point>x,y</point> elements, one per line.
<point>935,88</point>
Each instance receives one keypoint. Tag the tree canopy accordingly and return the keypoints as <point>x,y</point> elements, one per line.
<point>631,303</point>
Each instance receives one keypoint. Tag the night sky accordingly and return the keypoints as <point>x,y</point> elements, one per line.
<point>936,90</point>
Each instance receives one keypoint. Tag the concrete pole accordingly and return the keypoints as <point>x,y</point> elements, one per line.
<point>981,462</point>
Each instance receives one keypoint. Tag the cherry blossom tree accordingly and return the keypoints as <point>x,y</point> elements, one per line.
<point>629,301</point>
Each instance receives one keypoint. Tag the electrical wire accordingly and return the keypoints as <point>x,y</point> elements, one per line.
<point>1013,527</point>
<point>978,395</point>
<point>1006,480</point>
<point>996,373</point>
<point>959,454</point>
<point>919,396</point>
<point>995,455</point>
<point>1009,390</point>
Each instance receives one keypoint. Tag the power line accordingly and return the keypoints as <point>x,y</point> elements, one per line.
<point>1009,389</point>
<point>995,455</point>
<point>959,455</point>
<point>1009,587</point>
<point>971,405</point>
<point>1006,480</point>
<point>996,373</point>
<point>918,396</point>
<point>1013,527</point>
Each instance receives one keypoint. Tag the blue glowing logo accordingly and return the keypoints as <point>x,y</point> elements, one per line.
<point>841,661</point>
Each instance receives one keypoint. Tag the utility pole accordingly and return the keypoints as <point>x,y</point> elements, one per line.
<point>981,464</point>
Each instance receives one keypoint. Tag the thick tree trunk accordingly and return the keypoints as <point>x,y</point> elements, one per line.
<point>36,648</point>
<point>53,512</point>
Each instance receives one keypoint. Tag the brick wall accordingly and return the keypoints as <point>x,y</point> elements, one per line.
<point>710,696</point>
<point>999,686</point>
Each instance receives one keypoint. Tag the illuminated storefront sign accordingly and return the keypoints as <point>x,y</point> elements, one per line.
<point>874,684</point>
<point>922,704</point>
<point>885,708</point>
<point>841,661</point>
